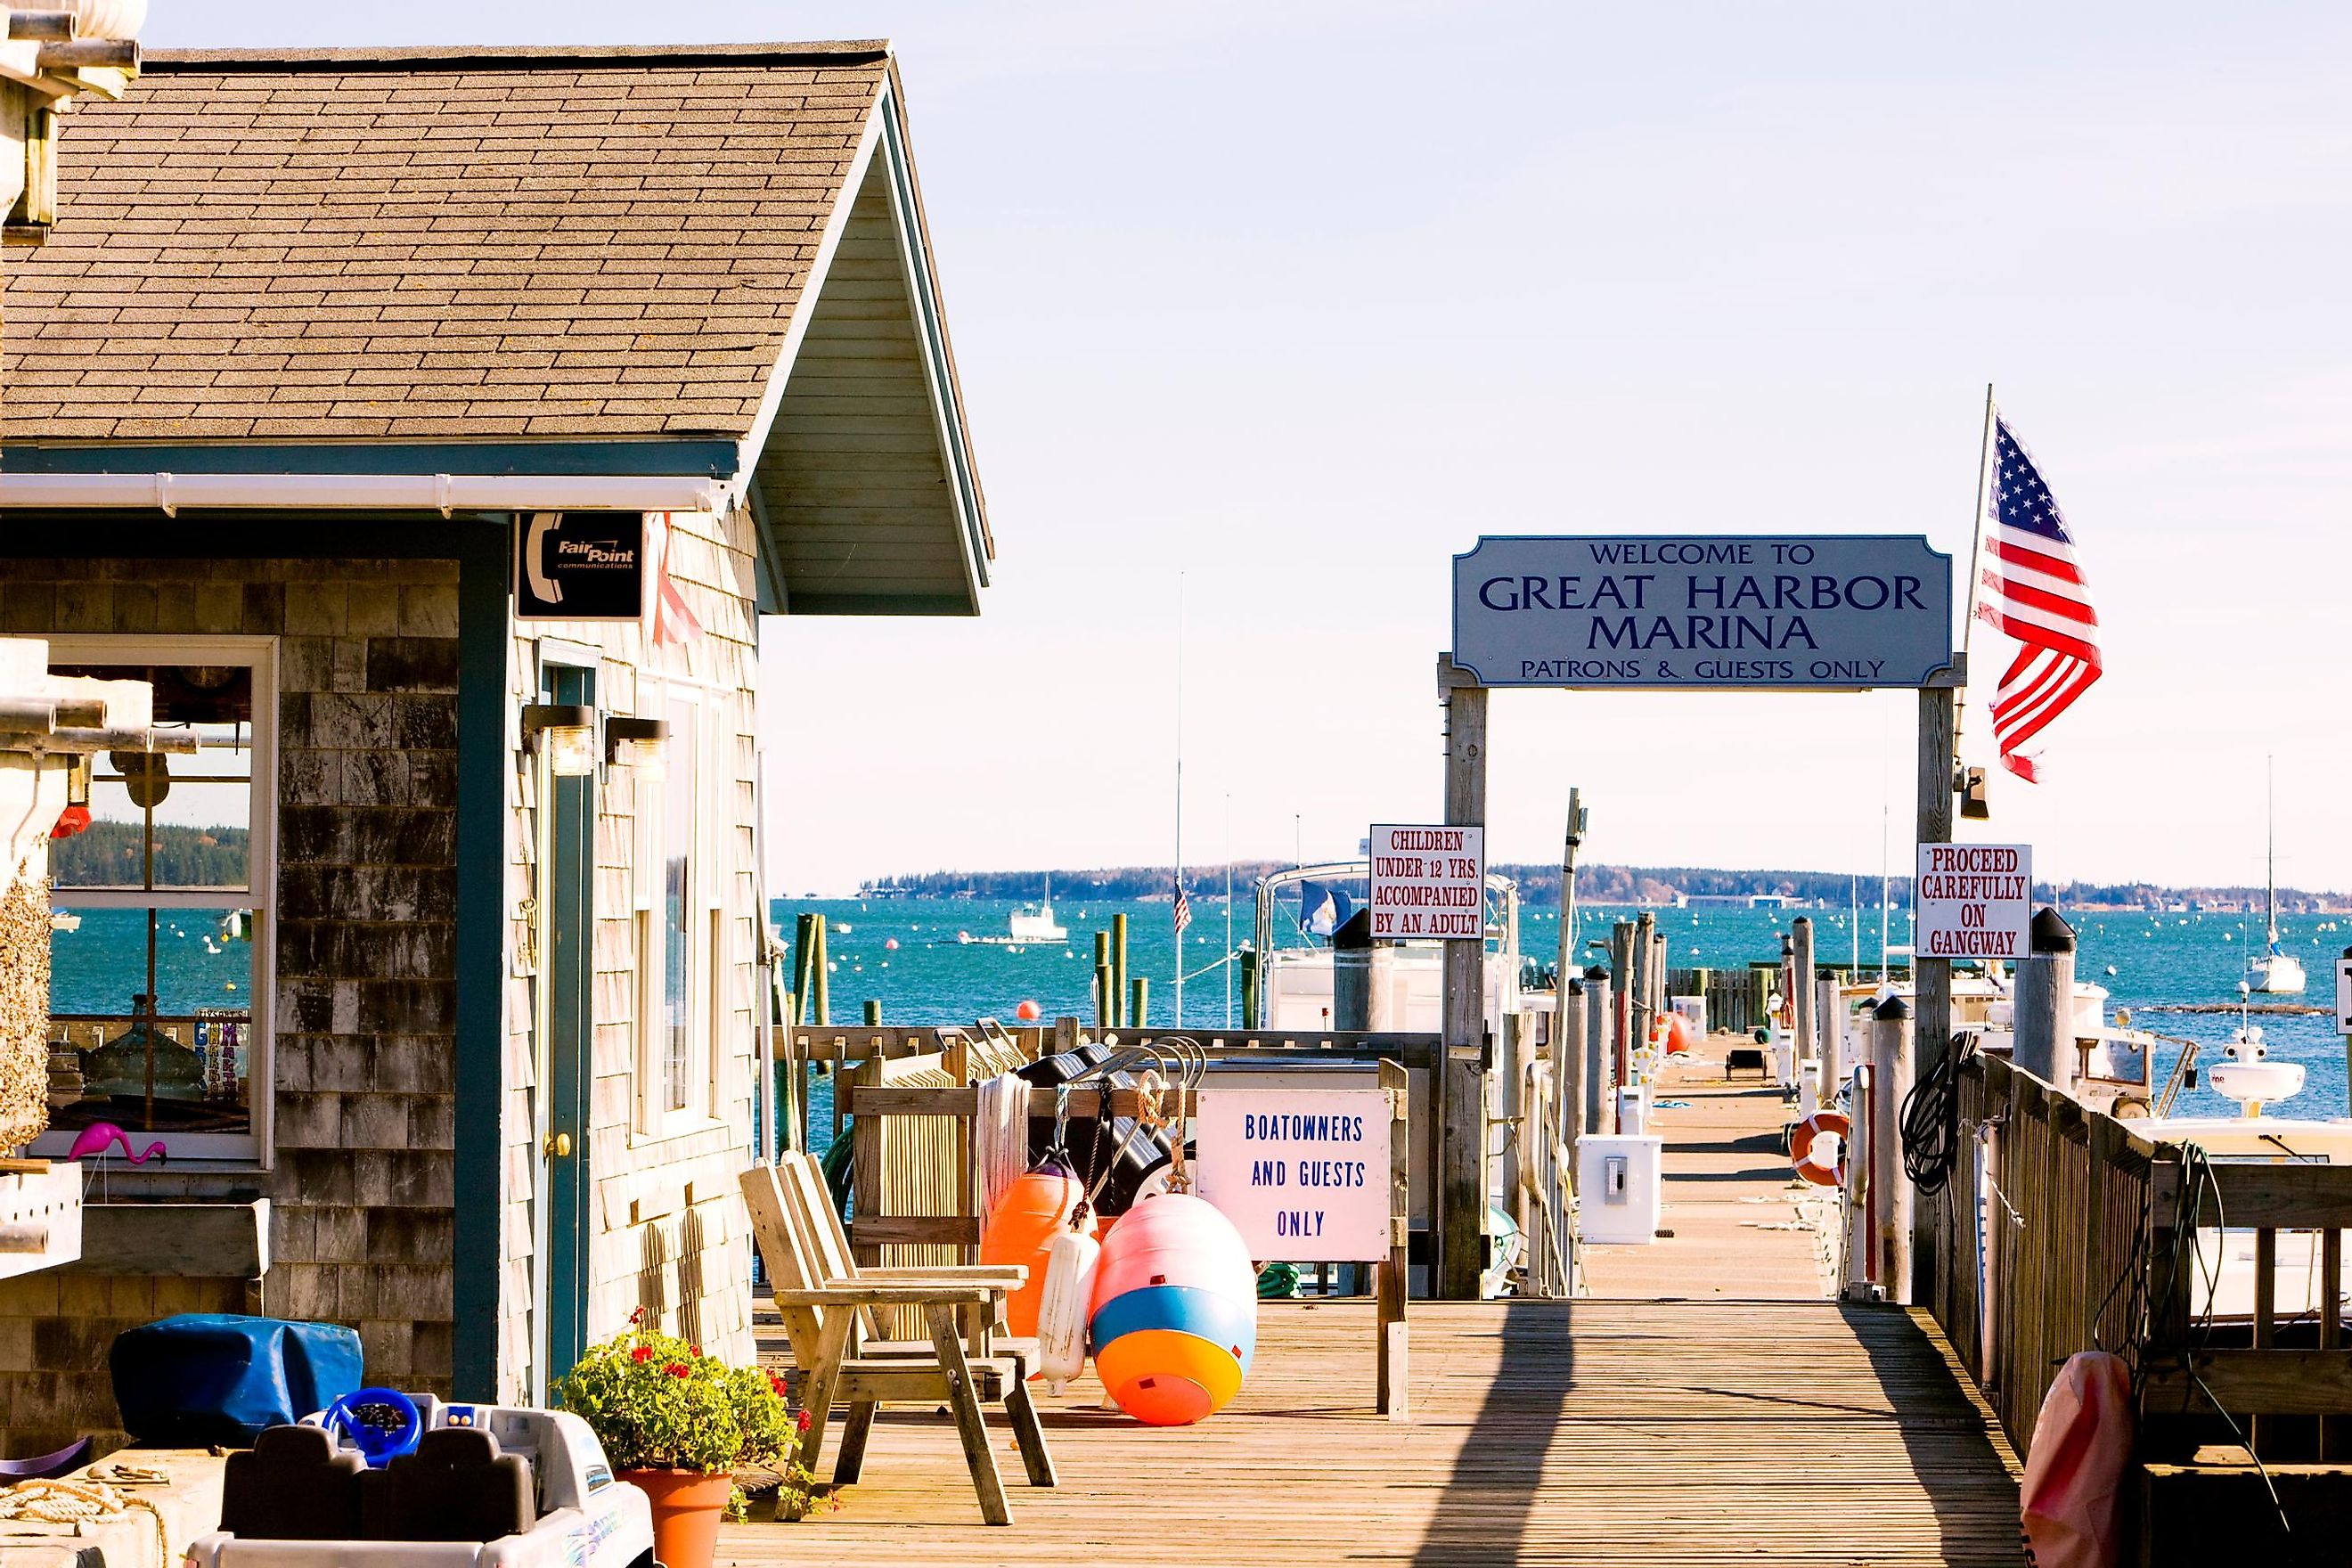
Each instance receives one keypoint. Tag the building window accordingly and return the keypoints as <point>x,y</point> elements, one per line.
<point>163,924</point>
<point>674,951</point>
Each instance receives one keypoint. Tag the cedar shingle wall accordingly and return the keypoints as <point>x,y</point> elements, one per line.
<point>665,1219</point>
<point>363,1181</point>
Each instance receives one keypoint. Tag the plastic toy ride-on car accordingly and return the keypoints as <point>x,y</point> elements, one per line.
<point>381,1478</point>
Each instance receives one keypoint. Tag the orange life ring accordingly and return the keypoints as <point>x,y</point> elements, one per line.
<point>1800,1147</point>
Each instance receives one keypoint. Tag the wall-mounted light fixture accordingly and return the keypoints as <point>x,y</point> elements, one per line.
<point>565,734</point>
<point>638,743</point>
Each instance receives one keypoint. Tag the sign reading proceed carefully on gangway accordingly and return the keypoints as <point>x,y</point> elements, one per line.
<point>1973,900</point>
<point>1428,882</point>
<point>1302,1174</point>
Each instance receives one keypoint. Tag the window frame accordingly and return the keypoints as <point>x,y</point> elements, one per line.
<point>688,752</point>
<point>255,1149</point>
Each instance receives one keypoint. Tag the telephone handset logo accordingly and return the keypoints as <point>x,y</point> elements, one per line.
<point>546,588</point>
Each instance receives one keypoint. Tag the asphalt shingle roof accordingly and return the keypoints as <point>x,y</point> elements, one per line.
<point>432,244</point>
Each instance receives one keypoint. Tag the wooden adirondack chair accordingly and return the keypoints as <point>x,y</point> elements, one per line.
<point>826,1300</point>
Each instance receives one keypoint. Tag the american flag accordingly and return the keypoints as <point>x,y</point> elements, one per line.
<point>2033,591</point>
<point>1183,909</point>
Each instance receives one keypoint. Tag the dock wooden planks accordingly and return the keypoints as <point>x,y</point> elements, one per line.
<point>1666,1433</point>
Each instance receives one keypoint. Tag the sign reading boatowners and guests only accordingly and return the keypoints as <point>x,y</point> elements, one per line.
<point>1841,612</point>
<point>1972,900</point>
<point>579,567</point>
<point>1302,1174</point>
<point>1428,882</point>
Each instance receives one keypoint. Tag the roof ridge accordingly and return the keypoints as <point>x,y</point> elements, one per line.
<point>520,57</point>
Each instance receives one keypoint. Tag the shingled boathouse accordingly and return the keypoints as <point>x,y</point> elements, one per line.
<point>431,428</point>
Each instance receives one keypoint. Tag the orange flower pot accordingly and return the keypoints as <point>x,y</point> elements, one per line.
<point>689,1506</point>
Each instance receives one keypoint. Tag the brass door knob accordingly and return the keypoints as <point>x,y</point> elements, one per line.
<point>558,1145</point>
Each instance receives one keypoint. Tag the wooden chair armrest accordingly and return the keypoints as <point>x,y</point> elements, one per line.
<point>885,1293</point>
<point>1011,1276</point>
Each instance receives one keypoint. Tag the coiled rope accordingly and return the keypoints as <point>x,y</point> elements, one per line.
<point>1931,1120</point>
<point>79,1502</point>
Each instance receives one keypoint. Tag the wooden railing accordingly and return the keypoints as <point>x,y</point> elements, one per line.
<point>2087,1242</point>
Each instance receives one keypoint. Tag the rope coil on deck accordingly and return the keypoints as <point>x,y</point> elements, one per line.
<point>67,1502</point>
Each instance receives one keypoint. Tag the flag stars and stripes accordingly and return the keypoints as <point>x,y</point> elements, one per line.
<point>2033,592</point>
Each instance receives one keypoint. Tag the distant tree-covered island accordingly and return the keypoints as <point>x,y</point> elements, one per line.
<point>1539,885</point>
<point>110,854</point>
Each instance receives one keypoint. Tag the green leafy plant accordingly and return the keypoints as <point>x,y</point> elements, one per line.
<point>658,1402</point>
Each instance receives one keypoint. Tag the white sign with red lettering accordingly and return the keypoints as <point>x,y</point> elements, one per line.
<point>1973,900</point>
<point>1429,882</point>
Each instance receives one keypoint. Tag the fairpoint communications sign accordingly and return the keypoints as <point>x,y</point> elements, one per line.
<point>1840,612</point>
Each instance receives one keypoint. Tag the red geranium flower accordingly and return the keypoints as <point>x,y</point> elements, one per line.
<point>803,1420</point>
<point>642,1354</point>
<point>694,1349</point>
<point>678,1369</point>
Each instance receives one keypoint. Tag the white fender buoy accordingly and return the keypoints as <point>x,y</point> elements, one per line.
<point>1061,1309</point>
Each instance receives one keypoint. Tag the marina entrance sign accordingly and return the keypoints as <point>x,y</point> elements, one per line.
<point>1834,612</point>
<point>1972,900</point>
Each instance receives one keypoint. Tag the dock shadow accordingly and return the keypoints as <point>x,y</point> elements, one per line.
<point>1490,1494</point>
<point>1968,1487</point>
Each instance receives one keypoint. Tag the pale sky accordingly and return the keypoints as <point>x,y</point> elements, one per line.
<point>1291,302</point>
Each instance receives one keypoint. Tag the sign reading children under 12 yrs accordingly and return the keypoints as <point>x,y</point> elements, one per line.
<point>1302,1174</point>
<point>1972,900</point>
<point>1841,612</point>
<point>1428,882</point>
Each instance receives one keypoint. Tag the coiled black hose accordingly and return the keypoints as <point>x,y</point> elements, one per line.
<point>1931,1120</point>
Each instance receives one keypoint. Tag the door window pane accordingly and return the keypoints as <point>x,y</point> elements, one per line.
<point>151,1020</point>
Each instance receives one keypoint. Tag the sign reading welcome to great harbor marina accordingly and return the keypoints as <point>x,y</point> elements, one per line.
<point>1972,900</point>
<point>1302,1174</point>
<point>1428,882</point>
<point>1703,611</point>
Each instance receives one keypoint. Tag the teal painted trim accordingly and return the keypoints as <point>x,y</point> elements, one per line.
<point>927,317</point>
<point>881,605</point>
<point>569,459</point>
<point>481,948</point>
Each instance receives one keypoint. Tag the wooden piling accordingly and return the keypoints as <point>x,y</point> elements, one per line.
<point>820,976</point>
<point>1803,1000</point>
<point>1460,1185</point>
<point>873,1011</point>
<point>1599,1087</point>
<point>2044,1004</point>
<point>1622,994</point>
<point>1119,970</point>
<point>1890,1081</point>
<point>1249,988</point>
<point>1931,978</point>
<point>1138,1001</point>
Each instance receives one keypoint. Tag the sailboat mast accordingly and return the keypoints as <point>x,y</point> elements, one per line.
<point>2270,850</point>
<point>1178,890</point>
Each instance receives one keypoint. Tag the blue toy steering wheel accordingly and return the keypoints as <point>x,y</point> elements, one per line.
<point>378,1445</point>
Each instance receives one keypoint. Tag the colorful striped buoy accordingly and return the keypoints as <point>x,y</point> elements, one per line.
<point>1175,1312</point>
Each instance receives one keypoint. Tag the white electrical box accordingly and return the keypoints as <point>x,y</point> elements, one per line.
<point>1634,1109</point>
<point>1620,1189</point>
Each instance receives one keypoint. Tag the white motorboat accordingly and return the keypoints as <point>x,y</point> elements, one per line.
<point>1299,910</point>
<point>1036,923</point>
<point>2273,972</point>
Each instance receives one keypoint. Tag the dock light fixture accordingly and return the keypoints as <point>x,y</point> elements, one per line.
<point>639,744</point>
<point>565,734</point>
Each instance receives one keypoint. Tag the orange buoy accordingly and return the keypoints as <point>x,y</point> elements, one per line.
<point>1680,1036</point>
<point>1021,1229</point>
<point>1800,1147</point>
<point>1027,1012</point>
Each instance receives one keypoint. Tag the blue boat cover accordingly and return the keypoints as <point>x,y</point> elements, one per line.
<point>217,1377</point>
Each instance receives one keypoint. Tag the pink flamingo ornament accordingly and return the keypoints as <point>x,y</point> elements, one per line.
<point>98,1136</point>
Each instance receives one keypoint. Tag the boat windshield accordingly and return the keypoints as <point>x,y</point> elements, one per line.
<point>1299,910</point>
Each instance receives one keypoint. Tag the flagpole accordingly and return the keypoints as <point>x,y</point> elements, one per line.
<point>1178,890</point>
<point>1976,566</point>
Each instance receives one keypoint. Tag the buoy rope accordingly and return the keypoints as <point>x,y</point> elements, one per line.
<point>65,1502</point>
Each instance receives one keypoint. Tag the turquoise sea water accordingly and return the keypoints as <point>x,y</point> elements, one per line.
<point>930,978</point>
